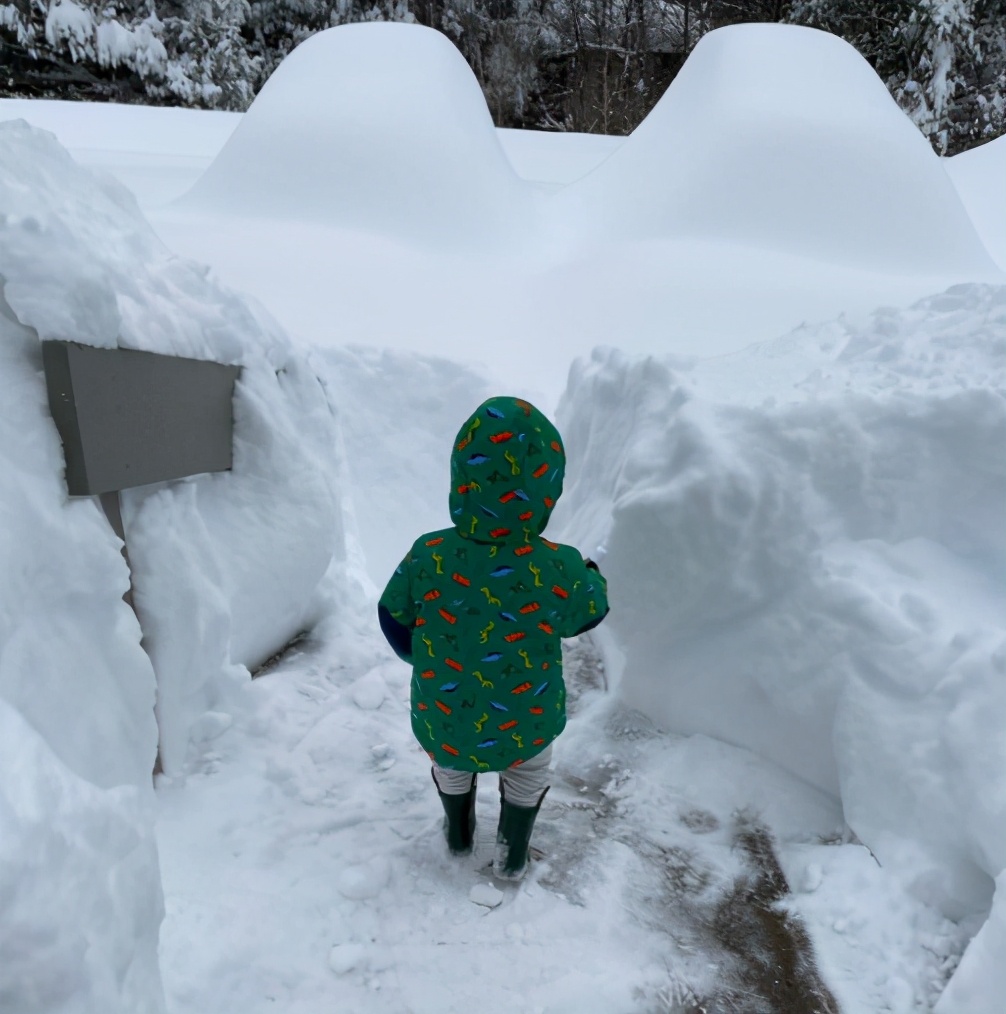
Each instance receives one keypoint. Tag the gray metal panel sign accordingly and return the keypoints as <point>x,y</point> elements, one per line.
<point>129,418</point>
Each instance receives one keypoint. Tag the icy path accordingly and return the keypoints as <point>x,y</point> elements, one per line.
<point>304,869</point>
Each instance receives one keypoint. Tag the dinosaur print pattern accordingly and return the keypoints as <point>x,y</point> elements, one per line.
<point>488,600</point>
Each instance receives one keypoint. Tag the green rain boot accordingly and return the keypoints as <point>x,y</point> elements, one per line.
<point>513,837</point>
<point>459,823</point>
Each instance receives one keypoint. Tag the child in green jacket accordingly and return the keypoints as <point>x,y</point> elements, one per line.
<point>479,609</point>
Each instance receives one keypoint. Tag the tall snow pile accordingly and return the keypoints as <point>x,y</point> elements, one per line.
<point>374,126</point>
<point>805,554</point>
<point>783,137</point>
<point>226,569</point>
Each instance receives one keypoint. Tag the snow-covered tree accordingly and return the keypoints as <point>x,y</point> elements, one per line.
<point>96,50</point>
<point>210,64</point>
<point>503,42</point>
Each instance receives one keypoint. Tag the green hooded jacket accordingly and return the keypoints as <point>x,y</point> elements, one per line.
<point>488,600</point>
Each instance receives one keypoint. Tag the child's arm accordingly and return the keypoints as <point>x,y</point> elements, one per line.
<point>396,634</point>
<point>589,602</point>
<point>396,612</point>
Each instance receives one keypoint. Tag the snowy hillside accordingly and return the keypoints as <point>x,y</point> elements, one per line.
<point>783,394</point>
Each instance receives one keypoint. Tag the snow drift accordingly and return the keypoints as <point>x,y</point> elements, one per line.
<point>784,137</point>
<point>374,126</point>
<point>805,557</point>
<point>226,568</point>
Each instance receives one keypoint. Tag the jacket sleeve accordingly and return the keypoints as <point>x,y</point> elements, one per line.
<point>589,600</point>
<point>396,611</point>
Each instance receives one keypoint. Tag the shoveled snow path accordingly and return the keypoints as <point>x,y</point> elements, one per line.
<point>303,865</point>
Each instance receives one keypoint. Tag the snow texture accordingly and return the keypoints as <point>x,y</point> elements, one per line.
<point>764,138</point>
<point>486,895</point>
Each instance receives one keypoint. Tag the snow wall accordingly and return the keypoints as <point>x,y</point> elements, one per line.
<point>374,126</point>
<point>806,554</point>
<point>226,568</point>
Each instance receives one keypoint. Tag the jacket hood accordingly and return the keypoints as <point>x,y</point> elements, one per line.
<point>507,468</point>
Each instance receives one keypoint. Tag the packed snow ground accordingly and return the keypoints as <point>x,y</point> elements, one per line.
<point>305,842</point>
<point>803,537</point>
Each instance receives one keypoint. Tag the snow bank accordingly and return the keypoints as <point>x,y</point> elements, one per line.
<point>226,568</point>
<point>780,136</point>
<point>978,175</point>
<point>805,558</point>
<point>374,126</point>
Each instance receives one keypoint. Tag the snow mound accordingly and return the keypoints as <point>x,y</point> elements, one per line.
<point>379,127</point>
<point>226,567</point>
<point>805,558</point>
<point>780,136</point>
<point>978,175</point>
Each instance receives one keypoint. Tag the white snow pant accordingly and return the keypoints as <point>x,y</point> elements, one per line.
<point>523,785</point>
